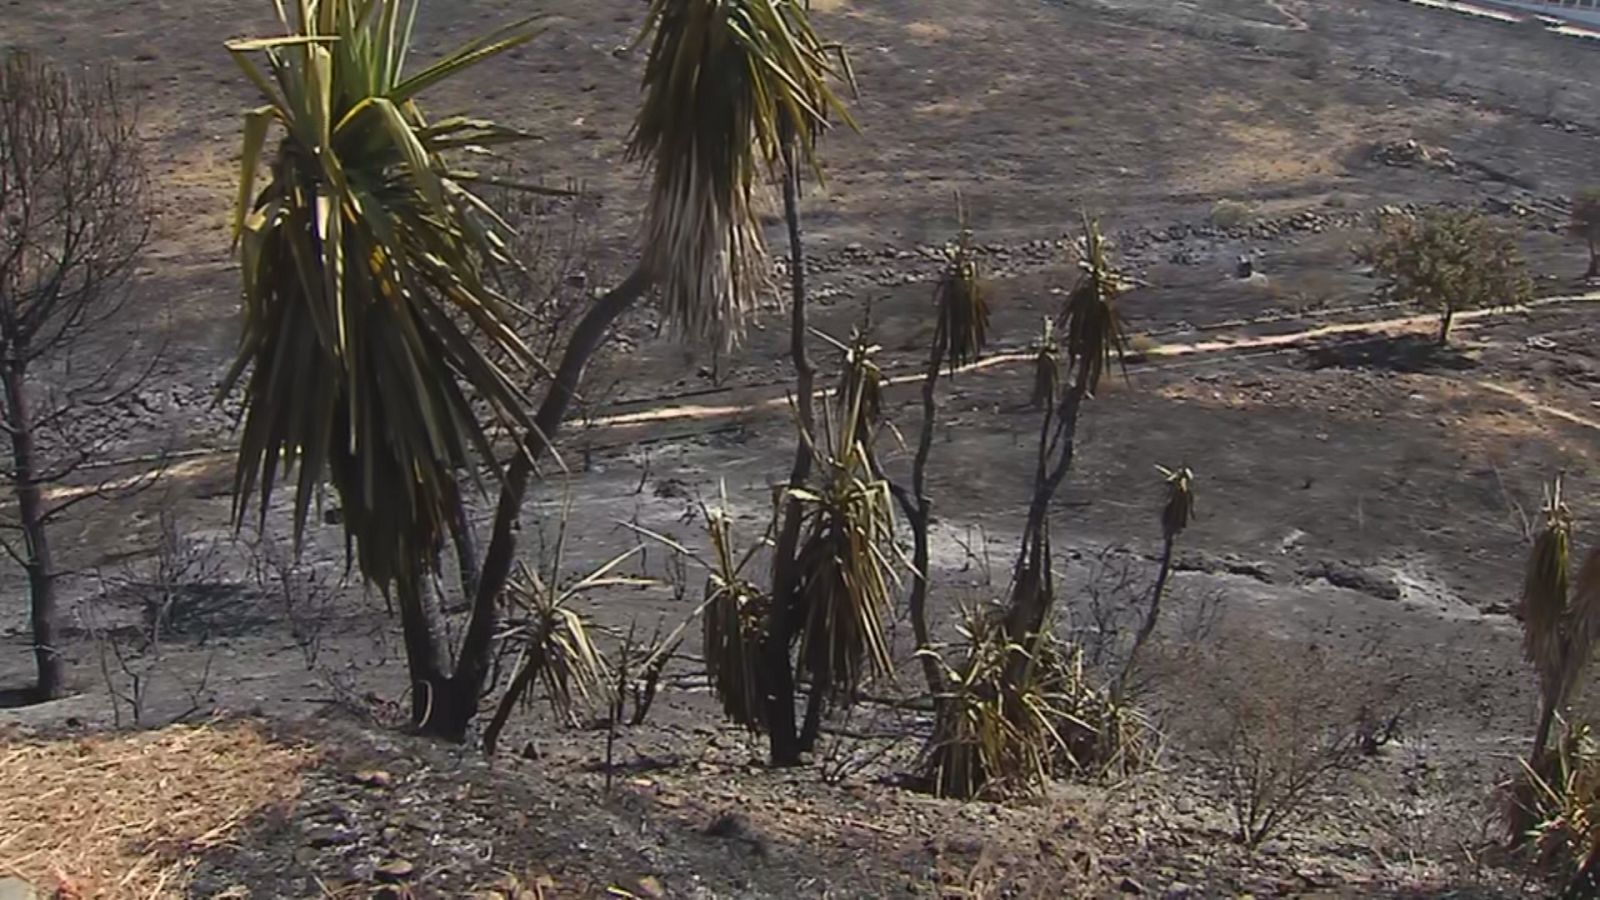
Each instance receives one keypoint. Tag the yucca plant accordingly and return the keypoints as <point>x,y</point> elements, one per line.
<point>369,333</point>
<point>1002,729</point>
<point>556,643</point>
<point>960,334</point>
<point>735,613</point>
<point>728,85</point>
<point>1093,342</point>
<point>845,562</point>
<point>1545,590</point>
<point>961,303</point>
<point>1560,616</point>
<point>861,386</point>
<point>1556,806</point>
<point>1561,623</point>
<point>1089,319</point>
<point>732,87</point>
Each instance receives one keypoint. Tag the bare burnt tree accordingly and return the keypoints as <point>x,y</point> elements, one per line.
<point>72,222</point>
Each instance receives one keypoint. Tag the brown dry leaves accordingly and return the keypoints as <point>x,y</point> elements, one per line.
<point>126,815</point>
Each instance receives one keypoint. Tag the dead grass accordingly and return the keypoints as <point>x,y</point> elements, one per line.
<point>125,815</point>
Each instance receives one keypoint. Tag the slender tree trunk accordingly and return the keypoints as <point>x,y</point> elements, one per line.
<point>1032,593</point>
<point>1445,321</point>
<point>777,670</point>
<point>1148,627</point>
<point>455,700</point>
<point>530,667</point>
<point>1541,736</point>
<point>1594,260</point>
<point>920,517</point>
<point>45,614</point>
<point>421,640</point>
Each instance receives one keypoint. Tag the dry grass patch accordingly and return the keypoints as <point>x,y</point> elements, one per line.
<point>126,815</point>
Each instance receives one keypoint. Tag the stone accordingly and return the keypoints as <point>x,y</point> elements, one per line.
<point>373,778</point>
<point>330,837</point>
<point>394,871</point>
<point>17,889</point>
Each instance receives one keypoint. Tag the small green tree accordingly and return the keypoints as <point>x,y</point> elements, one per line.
<point>1585,225</point>
<point>1447,261</point>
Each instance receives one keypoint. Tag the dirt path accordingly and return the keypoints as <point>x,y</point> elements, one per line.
<point>745,400</point>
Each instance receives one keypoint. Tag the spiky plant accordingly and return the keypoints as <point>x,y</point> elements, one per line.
<point>1556,806</point>
<point>1561,624</point>
<point>1544,596</point>
<point>961,305</point>
<point>861,386</point>
<point>735,613</point>
<point>555,642</point>
<point>726,84</point>
<point>961,331</point>
<point>999,730</point>
<point>1094,338</point>
<point>846,559</point>
<point>369,331</point>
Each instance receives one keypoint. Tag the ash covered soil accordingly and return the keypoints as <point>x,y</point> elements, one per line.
<point>1359,493</point>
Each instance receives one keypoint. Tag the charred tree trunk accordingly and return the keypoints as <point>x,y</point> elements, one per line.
<point>455,701</point>
<point>1151,617</point>
<point>1031,584</point>
<point>1594,260</point>
<point>44,613</point>
<point>776,668</point>
<point>428,681</point>
<point>920,515</point>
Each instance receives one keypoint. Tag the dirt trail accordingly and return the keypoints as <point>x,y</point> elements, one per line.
<point>745,400</point>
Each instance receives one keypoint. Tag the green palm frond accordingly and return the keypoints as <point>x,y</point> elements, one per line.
<point>1179,508</point>
<point>1583,621</point>
<point>1094,337</point>
<point>727,82</point>
<point>961,304</point>
<point>369,331</point>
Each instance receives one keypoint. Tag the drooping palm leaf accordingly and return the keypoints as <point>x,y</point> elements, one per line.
<point>961,304</point>
<point>726,83</point>
<point>369,331</point>
<point>1093,328</point>
<point>1544,593</point>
